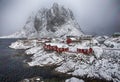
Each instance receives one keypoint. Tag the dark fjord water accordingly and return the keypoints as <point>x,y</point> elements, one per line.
<point>13,69</point>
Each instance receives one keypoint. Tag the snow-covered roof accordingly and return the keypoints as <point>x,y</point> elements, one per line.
<point>82,47</point>
<point>73,38</point>
<point>60,45</point>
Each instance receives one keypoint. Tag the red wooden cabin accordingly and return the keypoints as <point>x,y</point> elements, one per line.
<point>55,48</point>
<point>60,50</point>
<point>46,47</point>
<point>68,41</point>
<point>85,51</point>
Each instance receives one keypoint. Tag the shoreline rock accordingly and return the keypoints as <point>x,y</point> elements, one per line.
<point>102,65</point>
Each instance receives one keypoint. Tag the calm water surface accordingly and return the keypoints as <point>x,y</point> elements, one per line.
<point>13,69</point>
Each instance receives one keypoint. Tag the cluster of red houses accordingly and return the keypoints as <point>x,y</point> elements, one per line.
<point>64,48</point>
<point>55,47</point>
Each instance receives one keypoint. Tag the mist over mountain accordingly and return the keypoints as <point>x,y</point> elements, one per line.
<point>56,21</point>
<point>100,17</point>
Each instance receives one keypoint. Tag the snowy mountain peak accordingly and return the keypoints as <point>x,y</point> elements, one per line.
<point>57,21</point>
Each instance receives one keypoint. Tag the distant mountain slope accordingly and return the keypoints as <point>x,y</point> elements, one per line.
<point>54,22</point>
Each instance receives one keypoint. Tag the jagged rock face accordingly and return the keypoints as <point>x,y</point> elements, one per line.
<point>56,16</point>
<point>54,22</point>
<point>40,19</point>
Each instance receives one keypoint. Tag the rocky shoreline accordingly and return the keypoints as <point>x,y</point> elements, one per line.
<point>96,67</point>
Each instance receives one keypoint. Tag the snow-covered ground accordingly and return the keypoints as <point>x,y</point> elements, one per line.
<point>73,79</point>
<point>103,64</point>
<point>22,44</point>
<point>33,50</point>
<point>45,59</point>
<point>113,42</point>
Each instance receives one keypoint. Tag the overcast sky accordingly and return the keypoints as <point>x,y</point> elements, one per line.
<point>94,16</point>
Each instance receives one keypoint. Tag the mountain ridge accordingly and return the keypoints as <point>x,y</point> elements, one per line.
<point>56,21</point>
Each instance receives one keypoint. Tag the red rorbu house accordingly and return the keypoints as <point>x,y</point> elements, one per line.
<point>60,50</point>
<point>86,51</point>
<point>72,39</point>
<point>56,47</point>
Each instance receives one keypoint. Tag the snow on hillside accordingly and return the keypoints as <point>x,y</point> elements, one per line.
<point>102,64</point>
<point>23,44</point>
<point>45,59</point>
<point>101,39</point>
<point>113,42</point>
<point>33,50</point>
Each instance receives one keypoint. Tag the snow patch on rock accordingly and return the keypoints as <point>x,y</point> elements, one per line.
<point>98,51</point>
<point>45,59</point>
<point>20,45</point>
<point>113,42</point>
<point>65,67</point>
<point>73,79</point>
<point>33,50</point>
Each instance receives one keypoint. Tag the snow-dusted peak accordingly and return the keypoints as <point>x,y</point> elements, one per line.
<point>56,21</point>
